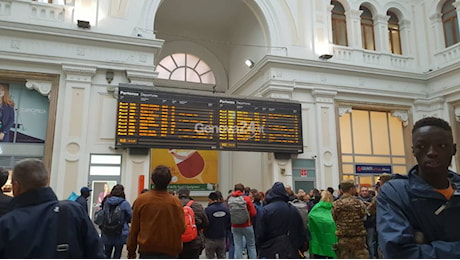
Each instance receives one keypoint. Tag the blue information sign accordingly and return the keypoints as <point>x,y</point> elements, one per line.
<point>372,169</point>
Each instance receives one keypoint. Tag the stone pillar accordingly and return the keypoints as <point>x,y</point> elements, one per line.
<point>382,41</point>
<point>354,28</point>
<point>437,37</point>
<point>73,123</point>
<point>406,40</point>
<point>327,160</point>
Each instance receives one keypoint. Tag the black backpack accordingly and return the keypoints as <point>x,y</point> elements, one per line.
<point>113,220</point>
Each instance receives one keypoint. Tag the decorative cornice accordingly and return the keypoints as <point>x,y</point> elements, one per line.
<point>277,92</point>
<point>142,77</point>
<point>457,114</point>
<point>43,87</point>
<point>344,109</point>
<point>324,96</point>
<point>402,115</point>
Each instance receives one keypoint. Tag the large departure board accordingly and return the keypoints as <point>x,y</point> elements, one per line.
<point>160,119</point>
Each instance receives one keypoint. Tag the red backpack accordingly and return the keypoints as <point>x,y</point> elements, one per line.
<point>191,232</point>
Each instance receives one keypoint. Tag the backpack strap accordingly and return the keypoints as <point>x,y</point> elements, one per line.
<point>189,203</point>
<point>62,247</point>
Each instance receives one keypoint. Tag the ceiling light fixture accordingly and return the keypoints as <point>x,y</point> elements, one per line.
<point>249,63</point>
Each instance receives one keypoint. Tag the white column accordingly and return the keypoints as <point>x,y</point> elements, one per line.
<point>406,40</point>
<point>382,41</point>
<point>354,28</point>
<point>73,128</point>
<point>437,32</point>
<point>327,160</point>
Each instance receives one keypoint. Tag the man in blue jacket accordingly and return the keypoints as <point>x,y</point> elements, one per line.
<point>39,226</point>
<point>219,225</point>
<point>417,214</point>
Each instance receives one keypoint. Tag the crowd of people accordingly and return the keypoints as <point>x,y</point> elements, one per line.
<point>405,216</point>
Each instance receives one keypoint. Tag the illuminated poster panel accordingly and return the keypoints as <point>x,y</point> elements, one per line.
<point>197,169</point>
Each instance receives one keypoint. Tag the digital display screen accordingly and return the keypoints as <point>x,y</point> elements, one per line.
<point>160,119</point>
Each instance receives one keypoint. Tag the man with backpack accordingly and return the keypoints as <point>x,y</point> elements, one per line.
<point>241,211</point>
<point>193,243</point>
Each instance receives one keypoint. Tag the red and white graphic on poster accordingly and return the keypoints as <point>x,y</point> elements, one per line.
<point>189,162</point>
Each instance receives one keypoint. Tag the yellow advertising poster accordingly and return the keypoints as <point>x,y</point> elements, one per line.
<point>197,169</point>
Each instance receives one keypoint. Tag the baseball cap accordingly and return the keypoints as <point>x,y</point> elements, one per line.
<point>85,189</point>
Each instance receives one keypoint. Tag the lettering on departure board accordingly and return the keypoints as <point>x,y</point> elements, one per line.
<point>159,119</point>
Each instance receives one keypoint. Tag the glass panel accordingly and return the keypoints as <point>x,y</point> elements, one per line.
<point>208,78</point>
<point>192,60</point>
<point>168,63</point>
<point>361,132</point>
<point>192,76</point>
<point>342,33</point>
<point>348,177</point>
<point>396,136</point>
<point>303,163</point>
<point>178,74</point>
<point>347,158</point>
<point>372,159</point>
<point>380,139</point>
<point>105,159</point>
<point>366,180</point>
<point>395,42</point>
<point>345,133</point>
<point>399,160</point>
<point>348,168</point>
<point>202,67</point>
<point>179,58</point>
<point>162,72</point>
<point>104,170</point>
<point>448,32</point>
<point>369,37</point>
<point>399,169</point>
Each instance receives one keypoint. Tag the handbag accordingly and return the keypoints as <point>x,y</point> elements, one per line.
<point>99,217</point>
<point>278,247</point>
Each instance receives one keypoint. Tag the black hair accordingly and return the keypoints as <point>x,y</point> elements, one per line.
<point>330,189</point>
<point>432,121</point>
<point>3,176</point>
<point>161,177</point>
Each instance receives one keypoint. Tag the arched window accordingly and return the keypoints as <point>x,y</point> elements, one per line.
<point>367,28</point>
<point>339,24</point>
<point>185,67</point>
<point>394,33</point>
<point>450,23</point>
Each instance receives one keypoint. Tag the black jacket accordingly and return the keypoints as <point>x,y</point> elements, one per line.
<point>30,229</point>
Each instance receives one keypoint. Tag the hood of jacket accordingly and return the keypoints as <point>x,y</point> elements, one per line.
<point>277,192</point>
<point>237,193</point>
<point>421,188</point>
<point>114,200</point>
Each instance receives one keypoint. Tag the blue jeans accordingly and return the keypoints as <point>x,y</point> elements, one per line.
<point>248,233</point>
<point>371,242</point>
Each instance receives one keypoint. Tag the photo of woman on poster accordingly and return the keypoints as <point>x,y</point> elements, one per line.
<point>6,113</point>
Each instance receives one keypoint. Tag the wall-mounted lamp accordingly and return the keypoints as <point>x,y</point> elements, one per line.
<point>249,63</point>
<point>109,76</point>
<point>325,56</point>
<point>83,24</point>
